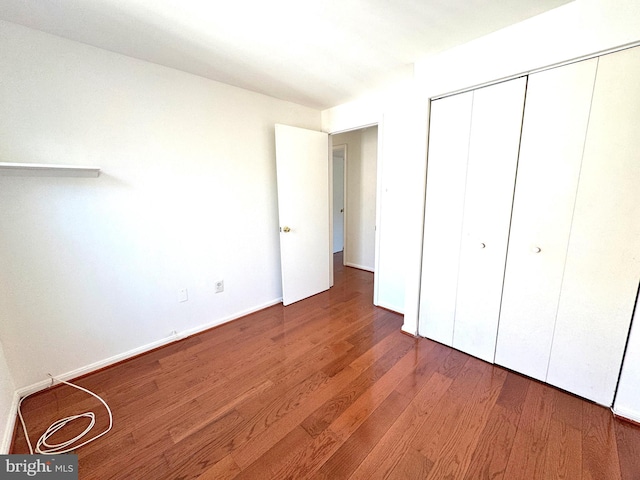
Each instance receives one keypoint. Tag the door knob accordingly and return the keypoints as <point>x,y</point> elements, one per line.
<point>482,245</point>
<point>536,249</point>
<point>286,229</point>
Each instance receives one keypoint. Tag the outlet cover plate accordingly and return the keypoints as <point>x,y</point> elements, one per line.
<point>183,295</point>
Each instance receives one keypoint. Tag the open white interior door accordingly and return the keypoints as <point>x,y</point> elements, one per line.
<point>302,165</point>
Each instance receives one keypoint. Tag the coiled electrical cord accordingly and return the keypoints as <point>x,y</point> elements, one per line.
<point>45,448</point>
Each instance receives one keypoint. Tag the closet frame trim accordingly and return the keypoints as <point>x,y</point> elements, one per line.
<point>589,56</point>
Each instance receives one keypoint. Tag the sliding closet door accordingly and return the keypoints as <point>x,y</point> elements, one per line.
<point>450,123</point>
<point>603,259</point>
<point>554,129</point>
<point>491,170</point>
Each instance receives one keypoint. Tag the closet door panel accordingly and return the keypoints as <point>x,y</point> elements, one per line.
<point>448,149</point>
<point>628,394</point>
<point>493,156</point>
<point>554,130</point>
<point>603,259</point>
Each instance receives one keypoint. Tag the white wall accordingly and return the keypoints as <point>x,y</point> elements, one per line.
<point>365,208</point>
<point>91,267</point>
<point>7,388</point>
<point>399,236</point>
<point>360,201</point>
<point>402,142</point>
<point>579,28</point>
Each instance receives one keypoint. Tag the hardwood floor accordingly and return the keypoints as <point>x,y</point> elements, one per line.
<point>329,388</point>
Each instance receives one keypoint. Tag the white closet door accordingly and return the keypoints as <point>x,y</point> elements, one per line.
<point>553,135</point>
<point>491,170</point>
<point>603,258</point>
<point>628,395</point>
<point>448,148</point>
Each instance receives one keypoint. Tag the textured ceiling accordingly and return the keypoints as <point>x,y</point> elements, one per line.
<point>321,53</point>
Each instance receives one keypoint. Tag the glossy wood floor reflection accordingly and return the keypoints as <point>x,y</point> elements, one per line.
<point>329,388</point>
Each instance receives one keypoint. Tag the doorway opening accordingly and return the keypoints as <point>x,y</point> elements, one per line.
<point>355,180</point>
<point>339,159</point>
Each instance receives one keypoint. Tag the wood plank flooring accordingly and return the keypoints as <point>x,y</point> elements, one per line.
<point>329,388</point>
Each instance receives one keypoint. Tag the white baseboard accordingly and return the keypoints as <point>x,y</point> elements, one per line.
<point>412,333</point>
<point>359,267</point>
<point>36,387</point>
<point>632,415</point>
<point>392,308</point>
<point>7,436</point>
<point>215,323</point>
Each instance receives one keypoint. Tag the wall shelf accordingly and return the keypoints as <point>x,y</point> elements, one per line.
<point>47,170</point>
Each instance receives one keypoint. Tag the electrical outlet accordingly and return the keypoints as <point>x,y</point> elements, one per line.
<point>220,286</point>
<point>183,295</point>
